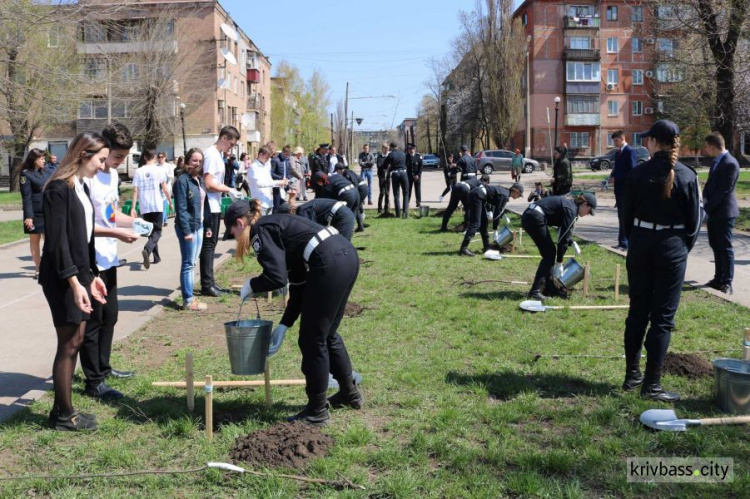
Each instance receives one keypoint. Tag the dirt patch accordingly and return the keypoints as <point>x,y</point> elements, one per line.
<point>439,213</point>
<point>285,445</point>
<point>460,227</point>
<point>688,365</point>
<point>353,309</point>
<point>506,248</point>
<point>387,214</point>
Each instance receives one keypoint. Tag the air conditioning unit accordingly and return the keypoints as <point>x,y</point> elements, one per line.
<point>649,74</point>
<point>650,41</point>
<point>610,87</point>
<point>649,110</point>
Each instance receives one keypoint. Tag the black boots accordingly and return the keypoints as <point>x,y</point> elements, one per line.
<point>633,376</point>
<point>465,252</point>
<point>347,396</point>
<point>652,388</point>
<point>535,294</point>
<point>316,411</point>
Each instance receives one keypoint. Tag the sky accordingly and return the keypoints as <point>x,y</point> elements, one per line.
<point>381,48</point>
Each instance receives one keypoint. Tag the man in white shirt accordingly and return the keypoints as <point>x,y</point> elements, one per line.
<point>334,159</point>
<point>161,160</point>
<point>213,176</point>
<point>149,191</point>
<point>260,180</point>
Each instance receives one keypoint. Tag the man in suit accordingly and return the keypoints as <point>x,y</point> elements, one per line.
<point>720,205</point>
<point>625,160</point>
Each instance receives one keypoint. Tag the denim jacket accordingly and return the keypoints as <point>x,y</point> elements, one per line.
<point>190,216</point>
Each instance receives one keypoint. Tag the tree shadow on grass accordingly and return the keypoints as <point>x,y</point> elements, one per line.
<point>508,294</point>
<point>505,385</point>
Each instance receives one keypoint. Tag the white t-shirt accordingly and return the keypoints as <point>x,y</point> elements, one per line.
<point>103,189</point>
<point>169,172</point>
<point>213,164</point>
<point>148,180</point>
<point>88,209</point>
<point>261,183</point>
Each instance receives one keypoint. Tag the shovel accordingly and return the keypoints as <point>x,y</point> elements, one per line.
<point>537,306</point>
<point>666,420</point>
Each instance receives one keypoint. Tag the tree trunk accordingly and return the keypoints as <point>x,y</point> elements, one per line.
<point>429,137</point>
<point>725,117</point>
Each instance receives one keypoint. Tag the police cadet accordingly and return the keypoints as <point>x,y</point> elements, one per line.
<point>414,172</point>
<point>482,199</point>
<point>321,267</point>
<point>320,160</point>
<point>329,212</point>
<point>466,164</point>
<point>395,165</point>
<point>661,219</point>
<point>361,186</point>
<point>382,179</point>
<point>34,174</point>
<point>337,187</point>
<point>560,212</point>
<point>459,194</point>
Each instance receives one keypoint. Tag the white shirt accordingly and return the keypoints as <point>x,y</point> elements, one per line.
<point>88,209</point>
<point>261,183</point>
<point>213,164</point>
<point>103,190</point>
<point>169,172</point>
<point>148,180</point>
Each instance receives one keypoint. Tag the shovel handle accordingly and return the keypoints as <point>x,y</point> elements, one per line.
<point>724,421</point>
<point>590,307</point>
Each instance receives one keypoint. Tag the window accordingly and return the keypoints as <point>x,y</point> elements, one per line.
<point>612,76</point>
<point>637,45</point>
<point>169,29</point>
<point>637,77</point>
<point>612,108</point>
<point>130,72</point>
<point>583,71</point>
<point>95,69</point>
<point>93,109</point>
<point>583,104</point>
<point>660,106</point>
<point>581,10</point>
<point>612,45</point>
<point>85,110</point>
<point>612,13</point>
<point>636,14</point>
<point>667,73</point>
<point>119,109</point>
<point>234,116</point>
<point>579,140</point>
<point>525,19</point>
<point>242,89</point>
<point>637,139</point>
<point>637,108</point>
<point>53,38</point>
<point>666,45</point>
<point>610,142</point>
<point>94,32</point>
<point>580,42</point>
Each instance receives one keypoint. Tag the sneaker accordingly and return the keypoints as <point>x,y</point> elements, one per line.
<point>726,289</point>
<point>466,252</point>
<point>146,259</point>
<point>75,422</point>
<point>537,295</point>
<point>103,392</point>
<point>195,306</point>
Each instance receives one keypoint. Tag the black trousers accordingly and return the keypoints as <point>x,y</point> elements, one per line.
<point>458,195</point>
<point>535,224</point>
<point>449,185</point>
<point>361,207</point>
<point>561,189</point>
<point>620,200</point>
<point>416,187</point>
<point>720,240</point>
<point>207,253</point>
<point>152,245</point>
<point>100,329</point>
<point>382,191</point>
<point>656,264</point>
<point>333,271</point>
<point>344,223</point>
<point>477,220</point>
<point>400,188</point>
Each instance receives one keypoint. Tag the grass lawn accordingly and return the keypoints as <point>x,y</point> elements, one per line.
<point>10,198</point>
<point>463,395</point>
<point>11,230</point>
<point>743,221</point>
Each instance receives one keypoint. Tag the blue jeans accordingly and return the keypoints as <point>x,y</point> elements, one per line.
<point>189,251</point>
<point>366,173</point>
<point>166,211</point>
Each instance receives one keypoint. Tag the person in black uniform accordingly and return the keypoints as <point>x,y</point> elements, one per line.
<point>459,194</point>
<point>361,186</point>
<point>337,187</point>
<point>329,212</point>
<point>661,219</point>
<point>33,175</point>
<point>560,212</point>
<point>68,272</point>
<point>466,164</point>
<point>562,173</point>
<point>320,160</point>
<point>450,172</point>
<point>395,166</point>
<point>414,172</point>
<point>482,199</point>
<point>382,179</point>
<point>321,267</point>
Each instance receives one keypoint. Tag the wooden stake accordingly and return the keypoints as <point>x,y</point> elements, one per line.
<point>586,279</point>
<point>267,381</point>
<point>232,384</point>
<point>746,345</point>
<point>520,237</point>
<point>617,282</point>
<point>514,249</point>
<point>270,297</point>
<point>209,389</point>
<point>190,381</point>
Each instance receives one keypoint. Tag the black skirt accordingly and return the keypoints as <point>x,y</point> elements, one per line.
<point>62,303</point>
<point>38,225</point>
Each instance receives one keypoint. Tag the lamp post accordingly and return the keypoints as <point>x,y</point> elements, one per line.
<point>182,119</point>
<point>527,151</point>
<point>557,107</point>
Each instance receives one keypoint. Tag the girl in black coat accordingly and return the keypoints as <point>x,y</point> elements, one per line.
<point>32,179</point>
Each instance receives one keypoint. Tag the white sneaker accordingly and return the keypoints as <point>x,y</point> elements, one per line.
<point>440,199</point>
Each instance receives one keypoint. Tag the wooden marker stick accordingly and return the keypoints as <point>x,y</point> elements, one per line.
<point>189,381</point>
<point>617,282</point>
<point>209,388</point>
<point>267,380</point>
<point>586,279</point>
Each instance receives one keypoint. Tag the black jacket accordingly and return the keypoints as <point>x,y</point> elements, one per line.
<point>189,214</point>
<point>339,187</point>
<point>32,183</point>
<point>328,212</point>
<point>719,199</point>
<point>319,164</point>
<point>380,161</point>
<point>66,252</point>
<point>560,212</point>
<point>625,161</point>
<point>414,164</point>
<point>366,159</point>
<point>562,173</point>
<point>278,164</point>
<point>466,164</point>
<point>396,160</point>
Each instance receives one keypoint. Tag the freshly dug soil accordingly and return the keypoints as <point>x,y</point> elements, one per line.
<point>387,215</point>
<point>506,248</point>
<point>284,445</point>
<point>688,365</point>
<point>353,309</point>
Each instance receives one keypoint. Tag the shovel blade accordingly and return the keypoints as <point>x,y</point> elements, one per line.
<point>492,255</point>
<point>663,420</point>
<point>533,306</point>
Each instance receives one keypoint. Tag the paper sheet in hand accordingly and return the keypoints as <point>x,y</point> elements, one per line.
<point>142,227</point>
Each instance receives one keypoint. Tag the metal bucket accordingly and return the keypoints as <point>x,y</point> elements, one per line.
<point>424,211</point>
<point>247,342</point>
<point>572,274</point>
<point>732,385</point>
<point>504,236</point>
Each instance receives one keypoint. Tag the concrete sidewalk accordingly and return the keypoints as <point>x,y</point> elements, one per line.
<point>27,338</point>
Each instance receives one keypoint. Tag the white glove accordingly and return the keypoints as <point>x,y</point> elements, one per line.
<point>557,270</point>
<point>142,227</point>
<point>490,215</point>
<point>235,195</point>
<point>283,291</point>
<point>247,291</point>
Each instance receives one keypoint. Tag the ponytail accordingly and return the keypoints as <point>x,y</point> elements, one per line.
<point>251,218</point>
<point>673,151</point>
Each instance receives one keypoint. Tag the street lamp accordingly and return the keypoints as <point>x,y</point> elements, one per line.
<point>182,119</point>
<point>527,151</point>
<point>557,107</point>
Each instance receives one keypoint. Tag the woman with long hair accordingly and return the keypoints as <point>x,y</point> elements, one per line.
<point>320,266</point>
<point>661,219</point>
<point>191,212</point>
<point>33,175</point>
<point>68,272</point>
<point>562,172</point>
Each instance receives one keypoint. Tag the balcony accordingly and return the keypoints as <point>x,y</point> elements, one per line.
<point>570,22</point>
<point>583,87</point>
<point>253,103</point>
<point>167,46</point>
<point>581,54</point>
<point>587,119</point>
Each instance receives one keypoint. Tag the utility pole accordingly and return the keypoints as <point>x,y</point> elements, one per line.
<point>350,144</point>
<point>346,114</point>
<point>332,141</point>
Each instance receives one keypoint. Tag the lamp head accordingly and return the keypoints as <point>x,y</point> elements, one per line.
<point>557,100</point>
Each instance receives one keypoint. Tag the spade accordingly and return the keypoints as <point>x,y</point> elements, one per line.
<point>666,420</point>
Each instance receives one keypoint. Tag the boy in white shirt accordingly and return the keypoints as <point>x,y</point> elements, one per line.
<point>161,160</point>
<point>149,191</point>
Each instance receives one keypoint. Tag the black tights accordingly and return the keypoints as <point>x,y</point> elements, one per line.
<point>69,340</point>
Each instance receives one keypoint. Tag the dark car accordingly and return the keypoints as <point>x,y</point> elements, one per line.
<point>430,160</point>
<point>607,161</point>
<point>499,159</point>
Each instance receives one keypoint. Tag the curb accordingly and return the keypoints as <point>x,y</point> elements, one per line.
<point>12,244</point>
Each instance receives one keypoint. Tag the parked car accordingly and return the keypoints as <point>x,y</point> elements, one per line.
<point>431,160</point>
<point>607,160</point>
<point>128,167</point>
<point>499,159</point>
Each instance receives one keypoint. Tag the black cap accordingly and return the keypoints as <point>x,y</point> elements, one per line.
<point>590,200</point>
<point>340,166</point>
<point>319,176</point>
<point>324,145</point>
<point>234,211</point>
<point>663,131</point>
<point>517,187</point>
<point>464,148</point>
<point>410,146</point>
<point>393,145</point>
<point>485,178</point>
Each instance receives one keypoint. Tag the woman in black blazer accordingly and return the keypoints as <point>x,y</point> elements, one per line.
<point>33,175</point>
<point>68,272</point>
